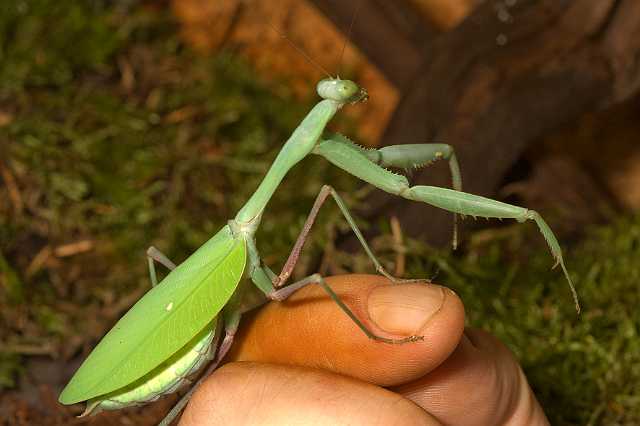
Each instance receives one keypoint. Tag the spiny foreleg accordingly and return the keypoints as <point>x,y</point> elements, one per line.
<point>345,154</point>
<point>351,158</point>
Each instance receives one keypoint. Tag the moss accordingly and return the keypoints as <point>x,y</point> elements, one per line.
<point>10,282</point>
<point>36,55</point>
<point>10,367</point>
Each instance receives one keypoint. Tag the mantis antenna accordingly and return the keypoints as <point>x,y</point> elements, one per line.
<point>300,50</point>
<point>347,35</point>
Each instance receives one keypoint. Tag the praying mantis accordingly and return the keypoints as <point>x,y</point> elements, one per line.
<point>178,325</point>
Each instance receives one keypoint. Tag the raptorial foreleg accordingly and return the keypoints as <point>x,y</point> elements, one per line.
<point>350,158</point>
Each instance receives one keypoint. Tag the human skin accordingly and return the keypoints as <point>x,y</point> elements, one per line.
<point>304,362</point>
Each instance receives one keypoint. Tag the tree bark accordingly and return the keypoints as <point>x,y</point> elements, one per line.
<point>390,34</point>
<point>501,80</point>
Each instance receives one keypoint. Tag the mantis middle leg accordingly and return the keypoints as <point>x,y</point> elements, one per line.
<point>280,293</point>
<point>285,292</point>
<point>153,254</point>
<point>324,193</point>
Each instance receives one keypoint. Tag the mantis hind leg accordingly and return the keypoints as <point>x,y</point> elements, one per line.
<point>231,323</point>
<point>155,255</point>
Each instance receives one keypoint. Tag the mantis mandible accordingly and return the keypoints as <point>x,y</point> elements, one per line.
<point>177,326</point>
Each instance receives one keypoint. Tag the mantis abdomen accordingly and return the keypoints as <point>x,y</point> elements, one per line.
<point>167,378</point>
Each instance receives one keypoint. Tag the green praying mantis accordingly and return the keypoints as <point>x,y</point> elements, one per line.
<point>177,326</point>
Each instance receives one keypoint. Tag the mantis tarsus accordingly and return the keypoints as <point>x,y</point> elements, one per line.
<point>175,328</point>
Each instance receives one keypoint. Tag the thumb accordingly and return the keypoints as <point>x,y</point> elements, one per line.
<point>310,330</point>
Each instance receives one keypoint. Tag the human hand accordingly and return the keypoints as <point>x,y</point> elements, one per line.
<point>303,361</point>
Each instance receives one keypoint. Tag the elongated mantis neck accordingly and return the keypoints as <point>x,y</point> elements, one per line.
<point>298,146</point>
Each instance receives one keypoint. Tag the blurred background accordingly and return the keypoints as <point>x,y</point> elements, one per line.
<point>127,123</point>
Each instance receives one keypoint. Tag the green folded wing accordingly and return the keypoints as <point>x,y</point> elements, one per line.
<point>164,320</point>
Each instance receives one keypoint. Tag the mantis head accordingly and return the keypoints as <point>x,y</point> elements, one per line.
<point>342,91</point>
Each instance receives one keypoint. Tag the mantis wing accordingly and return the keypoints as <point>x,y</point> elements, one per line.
<point>164,320</point>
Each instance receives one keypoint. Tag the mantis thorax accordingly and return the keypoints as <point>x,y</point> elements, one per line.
<point>245,229</point>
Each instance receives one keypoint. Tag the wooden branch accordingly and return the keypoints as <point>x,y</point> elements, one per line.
<point>504,78</point>
<point>390,34</point>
